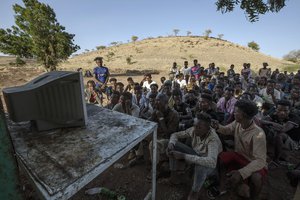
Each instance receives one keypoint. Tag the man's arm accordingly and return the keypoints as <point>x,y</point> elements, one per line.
<point>180,135</point>
<point>210,160</point>
<point>225,130</point>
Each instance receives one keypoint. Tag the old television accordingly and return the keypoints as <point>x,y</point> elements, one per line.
<point>52,100</point>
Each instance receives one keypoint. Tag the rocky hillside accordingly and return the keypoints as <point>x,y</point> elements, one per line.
<point>160,53</point>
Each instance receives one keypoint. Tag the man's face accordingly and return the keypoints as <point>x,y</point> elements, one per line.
<point>148,78</point>
<point>114,99</point>
<point>138,93</point>
<point>238,115</point>
<point>159,103</point>
<point>90,87</point>
<point>238,87</point>
<point>120,88</point>
<point>152,102</point>
<point>200,127</point>
<point>228,94</point>
<point>153,89</point>
<point>282,111</point>
<point>252,90</point>
<point>186,64</point>
<point>177,99</point>
<point>204,104</point>
<point>270,86</point>
<point>99,62</point>
<point>195,62</point>
<point>167,89</point>
<point>218,91</point>
<point>295,93</point>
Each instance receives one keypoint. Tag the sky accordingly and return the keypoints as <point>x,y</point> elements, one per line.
<point>100,22</point>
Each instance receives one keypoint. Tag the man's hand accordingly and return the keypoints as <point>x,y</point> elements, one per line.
<point>234,177</point>
<point>214,124</point>
<point>159,114</point>
<point>177,155</point>
<point>169,149</point>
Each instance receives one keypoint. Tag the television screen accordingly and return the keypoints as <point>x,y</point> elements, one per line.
<point>52,100</point>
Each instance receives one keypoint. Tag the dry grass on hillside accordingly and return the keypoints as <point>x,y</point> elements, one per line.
<point>160,53</point>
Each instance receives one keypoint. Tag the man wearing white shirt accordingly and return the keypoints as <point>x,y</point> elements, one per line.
<point>185,70</point>
<point>148,82</point>
<point>270,94</point>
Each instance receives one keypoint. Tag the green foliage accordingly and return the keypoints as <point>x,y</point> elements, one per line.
<point>252,8</point>
<point>114,43</point>
<point>128,60</point>
<point>291,68</point>
<point>37,34</point>
<point>20,62</point>
<point>293,56</point>
<point>134,38</point>
<point>188,33</point>
<point>100,47</point>
<point>253,45</point>
<point>176,31</point>
<point>110,56</point>
<point>207,33</point>
<point>220,36</point>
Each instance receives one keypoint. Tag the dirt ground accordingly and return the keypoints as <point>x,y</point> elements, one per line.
<point>132,182</point>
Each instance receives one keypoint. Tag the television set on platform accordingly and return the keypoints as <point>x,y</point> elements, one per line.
<point>52,100</point>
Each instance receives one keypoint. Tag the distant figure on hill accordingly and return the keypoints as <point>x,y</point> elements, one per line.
<point>264,71</point>
<point>173,71</point>
<point>186,70</point>
<point>231,72</point>
<point>101,74</point>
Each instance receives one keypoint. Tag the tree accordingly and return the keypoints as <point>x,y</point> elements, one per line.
<point>37,34</point>
<point>188,33</point>
<point>293,56</point>
<point>252,8</point>
<point>253,45</point>
<point>134,38</point>
<point>207,33</point>
<point>100,47</point>
<point>220,36</point>
<point>176,31</point>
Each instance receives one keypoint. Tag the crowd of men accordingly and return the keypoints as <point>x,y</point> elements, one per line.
<point>211,121</point>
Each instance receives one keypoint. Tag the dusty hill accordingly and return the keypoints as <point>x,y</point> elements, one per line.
<point>160,53</point>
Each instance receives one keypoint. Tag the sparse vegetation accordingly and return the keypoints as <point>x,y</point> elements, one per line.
<point>176,31</point>
<point>293,56</point>
<point>114,43</point>
<point>253,45</point>
<point>134,38</point>
<point>207,33</point>
<point>100,47</point>
<point>37,34</point>
<point>128,60</point>
<point>252,8</point>
<point>188,33</point>
<point>291,68</point>
<point>220,36</point>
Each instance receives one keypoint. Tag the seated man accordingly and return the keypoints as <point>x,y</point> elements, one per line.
<point>202,151</point>
<point>183,109</point>
<point>126,106</point>
<point>248,160</point>
<point>168,121</point>
<point>226,105</point>
<point>282,128</point>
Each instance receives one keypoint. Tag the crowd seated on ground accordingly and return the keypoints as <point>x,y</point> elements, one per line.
<point>211,121</point>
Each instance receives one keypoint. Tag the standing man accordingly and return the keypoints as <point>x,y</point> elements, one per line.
<point>186,70</point>
<point>101,74</point>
